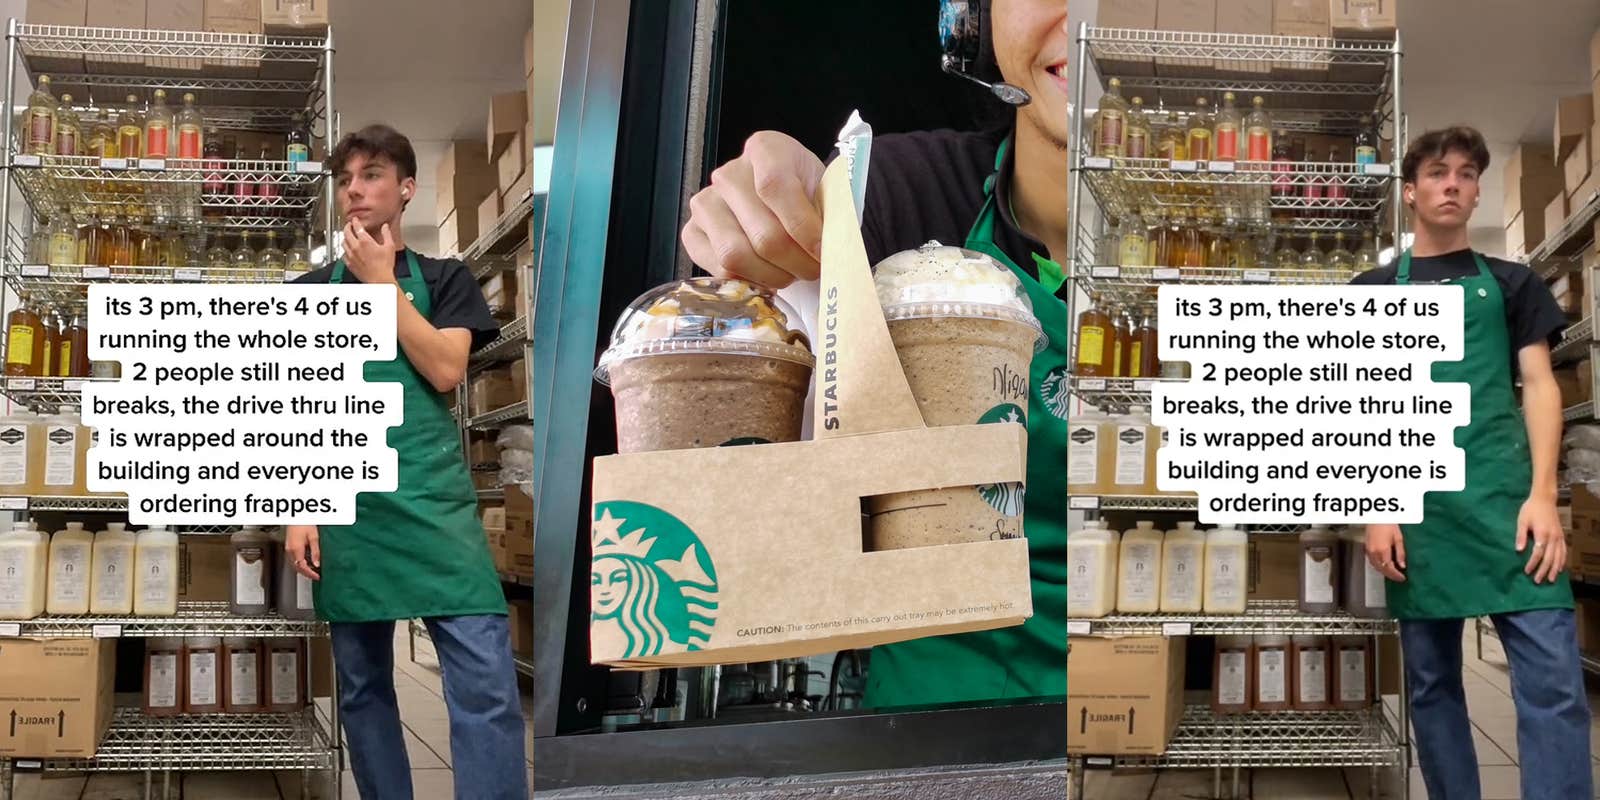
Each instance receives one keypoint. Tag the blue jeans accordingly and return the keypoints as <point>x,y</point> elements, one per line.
<point>480,693</point>
<point>1546,686</point>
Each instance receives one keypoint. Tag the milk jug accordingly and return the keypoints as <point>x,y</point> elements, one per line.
<point>1089,453</point>
<point>24,559</point>
<point>71,565</point>
<point>1227,558</point>
<point>1183,570</point>
<point>111,590</point>
<point>156,565</point>
<point>20,448</point>
<point>1132,471</point>
<point>1091,571</point>
<point>1139,570</point>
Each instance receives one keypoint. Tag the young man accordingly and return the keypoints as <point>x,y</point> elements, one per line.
<point>1495,548</point>
<point>420,551</point>
<point>1002,192</point>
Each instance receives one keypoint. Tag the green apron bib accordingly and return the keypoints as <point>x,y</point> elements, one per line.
<point>1029,660</point>
<point>1462,560</point>
<point>419,551</point>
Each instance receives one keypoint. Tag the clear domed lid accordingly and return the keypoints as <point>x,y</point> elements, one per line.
<point>706,315</point>
<point>936,280</point>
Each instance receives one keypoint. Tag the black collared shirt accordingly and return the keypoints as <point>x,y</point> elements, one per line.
<point>456,298</point>
<point>929,185</point>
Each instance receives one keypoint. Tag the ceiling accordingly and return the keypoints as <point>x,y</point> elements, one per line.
<point>1493,64</point>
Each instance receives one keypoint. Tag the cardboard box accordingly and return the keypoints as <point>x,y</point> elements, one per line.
<point>1585,375</point>
<point>1576,168</point>
<point>72,13</point>
<point>486,480</point>
<point>512,162</point>
<point>294,17</point>
<point>1586,191</point>
<point>242,17</point>
<point>1584,555</point>
<point>1302,18</point>
<point>494,517</point>
<point>1363,19</point>
<point>1532,177</point>
<point>114,14</point>
<point>1555,213</point>
<point>1124,696</point>
<point>465,176</point>
<point>482,451</point>
<point>1199,16</point>
<point>1567,382</point>
<point>57,695</point>
<point>1274,568</point>
<point>508,112</point>
<point>519,378</point>
<point>1137,14</point>
<point>459,231</point>
<point>1594,58</point>
<point>514,193</point>
<point>1574,118</point>
<point>521,621</point>
<point>489,391</point>
<point>519,532</point>
<point>500,290</point>
<point>489,212</point>
<point>1568,292</point>
<point>524,278</point>
<point>1591,260</point>
<point>1519,240</point>
<point>1250,17</point>
<point>871,441</point>
<point>205,569</point>
<point>175,15</point>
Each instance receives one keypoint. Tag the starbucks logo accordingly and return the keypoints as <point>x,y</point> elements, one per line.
<point>651,583</point>
<point>1005,498</point>
<point>1053,390</point>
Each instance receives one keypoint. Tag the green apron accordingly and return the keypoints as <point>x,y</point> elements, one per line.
<point>419,551</point>
<point>1462,560</point>
<point>1029,660</point>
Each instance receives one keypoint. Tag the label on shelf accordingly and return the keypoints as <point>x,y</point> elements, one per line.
<point>1092,384</point>
<point>10,630</point>
<point>1099,762</point>
<point>293,274</point>
<point>25,160</point>
<point>20,383</point>
<point>13,504</point>
<point>28,765</point>
<point>1079,627</point>
<point>1084,503</point>
<point>308,167</point>
<point>1258,276</point>
<point>113,163</point>
<point>153,164</point>
<point>72,385</point>
<point>1106,272</point>
<point>1220,166</point>
<point>1377,169</point>
<point>35,270</point>
<point>96,272</point>
<point>1166,274</point>
<point>107,631</point>
<point>1097,162</point>
<point>1185,166</point>
<point>1176,629</point>
<point>186,274</point>
<point>1144,384</point>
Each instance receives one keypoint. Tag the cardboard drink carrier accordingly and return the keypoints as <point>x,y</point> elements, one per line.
<point>756,552</point>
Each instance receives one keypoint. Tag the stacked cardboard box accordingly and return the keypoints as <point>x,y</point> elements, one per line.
<point>1364,19</point>
<point>1302,18</point>
<point>500,291</point>
<point>519,532</point>
<point>1568,291</point>
<point>1198,16</point>
<point>72,13</point>
<point>491,390</point>
<point>1136,14</point>
<point>293,18</point>
<point>465,177</point>
<point>1585,553</point>
<point>521,621</point>
<point>234,16</point>
<point>1124,696</point>
<point>1594,71</point>
<point>1248,17</point>
<point>1532,180</point>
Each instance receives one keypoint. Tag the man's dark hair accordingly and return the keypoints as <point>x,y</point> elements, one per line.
<point>374,141</point>
<point>1435,144</point>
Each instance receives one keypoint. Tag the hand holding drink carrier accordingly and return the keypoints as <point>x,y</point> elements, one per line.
<point>700,551</point>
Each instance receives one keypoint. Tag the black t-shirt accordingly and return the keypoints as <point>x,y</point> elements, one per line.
<point>456,297</point>
<point>1532,315</point>
<point>929,185</point>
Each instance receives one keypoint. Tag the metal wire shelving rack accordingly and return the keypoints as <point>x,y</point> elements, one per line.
<point>1336,82</point>
<point>183,194</point>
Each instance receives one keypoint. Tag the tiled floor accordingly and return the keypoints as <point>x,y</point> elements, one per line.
<point>1494,734</point>
<point>427,743</point>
